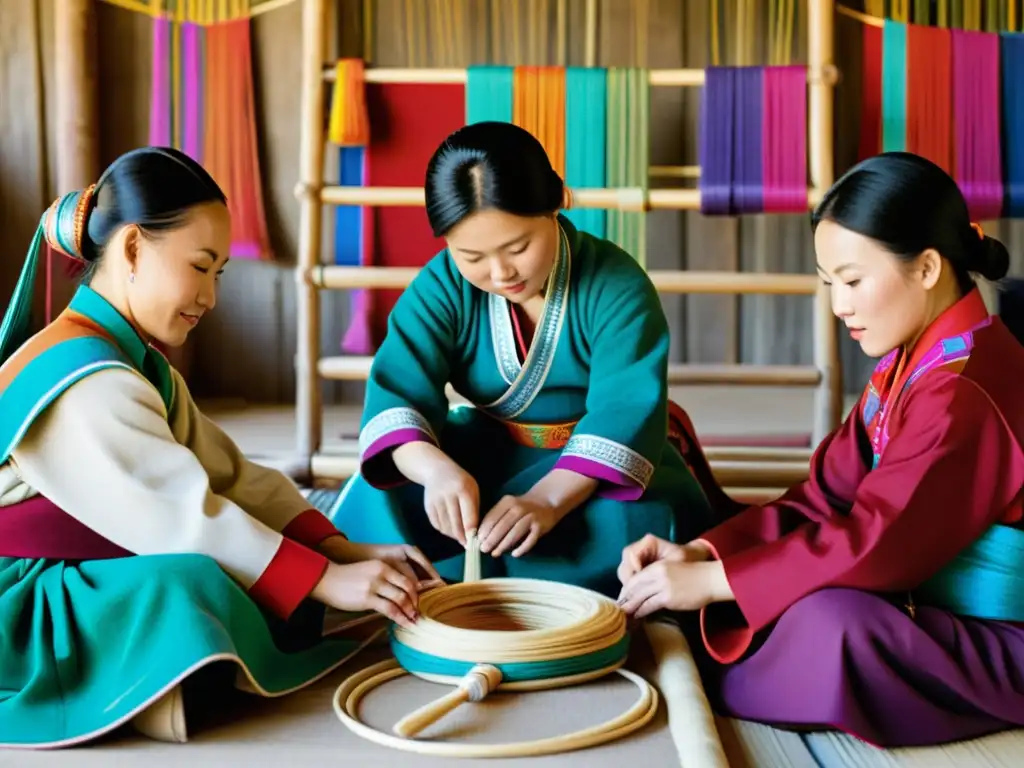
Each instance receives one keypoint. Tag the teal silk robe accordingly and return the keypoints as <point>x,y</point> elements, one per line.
<point>590,394</point>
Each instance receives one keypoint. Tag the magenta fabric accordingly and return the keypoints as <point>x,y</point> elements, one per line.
<point>785,139</point>
<point>976,130</point>
<point>160,88</point>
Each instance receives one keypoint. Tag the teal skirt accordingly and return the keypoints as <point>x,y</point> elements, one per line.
<point>584,549</point>
<point>84,647</point>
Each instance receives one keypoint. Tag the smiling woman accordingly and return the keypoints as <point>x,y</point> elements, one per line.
<point>137,544</point>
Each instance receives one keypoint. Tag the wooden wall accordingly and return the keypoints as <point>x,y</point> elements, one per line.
<point>245,349</point>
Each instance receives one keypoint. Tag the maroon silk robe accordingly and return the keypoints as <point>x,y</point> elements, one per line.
<point>824,630</point>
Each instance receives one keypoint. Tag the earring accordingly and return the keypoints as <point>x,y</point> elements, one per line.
<point>131,276</point>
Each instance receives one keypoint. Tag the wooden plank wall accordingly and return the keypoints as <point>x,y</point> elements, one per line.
<point>245,349</point>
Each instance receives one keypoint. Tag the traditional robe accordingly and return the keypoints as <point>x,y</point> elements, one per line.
<point>589,393</point>
<point>881,596</point>
<point>137,544</point>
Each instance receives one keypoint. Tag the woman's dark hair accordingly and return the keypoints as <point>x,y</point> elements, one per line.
<point>152,188</point>
<point>489,165</point>
<point>908,204</point>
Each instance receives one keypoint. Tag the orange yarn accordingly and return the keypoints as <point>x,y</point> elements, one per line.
<point>538,105</point>
<point>230,153</point>
<point>349,122</point>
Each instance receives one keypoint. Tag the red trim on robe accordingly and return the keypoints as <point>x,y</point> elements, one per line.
<point>291,575</point>
<point>310,528</point>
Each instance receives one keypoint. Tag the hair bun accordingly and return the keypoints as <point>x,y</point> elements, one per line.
<point>66,220</point>
<point>992,260</point>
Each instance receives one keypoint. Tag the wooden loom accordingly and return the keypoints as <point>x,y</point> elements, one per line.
<point>769,469</point>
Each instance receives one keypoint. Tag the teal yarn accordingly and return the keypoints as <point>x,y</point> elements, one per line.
<point>586,110</point>
<point>17,322</point>
<point>420,663</point>
<point>984,581</point>
<point>489,94</point>
<point>894,86</point>
<point>57,226</point>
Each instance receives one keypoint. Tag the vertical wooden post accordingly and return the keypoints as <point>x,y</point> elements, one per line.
<point>308,417</point>
<point>590,39</point>
<point>76,110</point>
<point>828,405</point>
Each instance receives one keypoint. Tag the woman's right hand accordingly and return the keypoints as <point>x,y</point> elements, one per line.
<point>451,499</point>
<point>370,585</point>
<point>652,549</point>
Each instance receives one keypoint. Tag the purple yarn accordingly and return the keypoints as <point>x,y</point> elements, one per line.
<point>748,165</point>
<point>715,142</point>
<point>731,141</point>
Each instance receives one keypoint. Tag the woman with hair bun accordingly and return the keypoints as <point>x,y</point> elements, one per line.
<point>137,544</point>
<point>883,596</point>
<point>559,342</point>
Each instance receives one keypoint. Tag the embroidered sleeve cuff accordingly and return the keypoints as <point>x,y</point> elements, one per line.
<point>309,528</point>
<point>725,632</point>
<point>381,435</point>
<point>288,579</point>
<point>622,472</point>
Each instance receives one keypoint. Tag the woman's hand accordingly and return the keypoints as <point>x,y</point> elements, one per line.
<point>451,499</point>
<point>675,585</point>
<point>516,520</point>
<point>651,549</point>
<point>371,585</point>
<point>403,557</point>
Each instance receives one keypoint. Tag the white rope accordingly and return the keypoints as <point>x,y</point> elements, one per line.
<point>500,621</point>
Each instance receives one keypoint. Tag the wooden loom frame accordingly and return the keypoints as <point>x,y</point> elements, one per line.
<point>767,468</point>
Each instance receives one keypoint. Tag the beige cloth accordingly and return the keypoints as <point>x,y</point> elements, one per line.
<point>106,454</point>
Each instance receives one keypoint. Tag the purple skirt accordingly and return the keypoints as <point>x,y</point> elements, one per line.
<point>853,661</point>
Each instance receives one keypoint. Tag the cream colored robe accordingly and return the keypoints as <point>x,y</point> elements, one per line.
<point>105,453</point>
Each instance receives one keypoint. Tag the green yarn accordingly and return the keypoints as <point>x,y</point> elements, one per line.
<point>418,662</point>
<point>17,322</point>
<point>489,94</point>
<point>894,86</point>
<point>586,110</point>
<point>628,154</point>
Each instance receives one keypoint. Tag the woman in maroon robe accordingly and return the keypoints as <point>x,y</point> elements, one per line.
<point>882,595</point>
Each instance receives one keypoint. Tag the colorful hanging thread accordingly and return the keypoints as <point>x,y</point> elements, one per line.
<point>894,86</point>
<point>586,115</point>
<point>202,102</point>
<point>715,138</point>
<point>750,135</point>
<point>1013,122</point>
<point>976,114</point>
<point>628,152</point>
<point>929,86</point>
<point>785,140</point>
<point>489,94</point>
<point>538,105</point>
<point>349,129</point>
<point>870,139</point>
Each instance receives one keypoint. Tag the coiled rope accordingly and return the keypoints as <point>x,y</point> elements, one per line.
<point>507,634</point>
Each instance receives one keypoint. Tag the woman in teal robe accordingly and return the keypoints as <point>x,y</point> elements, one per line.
<point>558,341</point>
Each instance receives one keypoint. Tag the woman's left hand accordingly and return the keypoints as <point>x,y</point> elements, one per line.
<point>674,585</point>
<point>515,520</point>
<point>405,558</point>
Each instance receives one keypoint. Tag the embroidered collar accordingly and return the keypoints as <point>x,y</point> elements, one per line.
<point>960,318</point>
<point>89,303</point>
